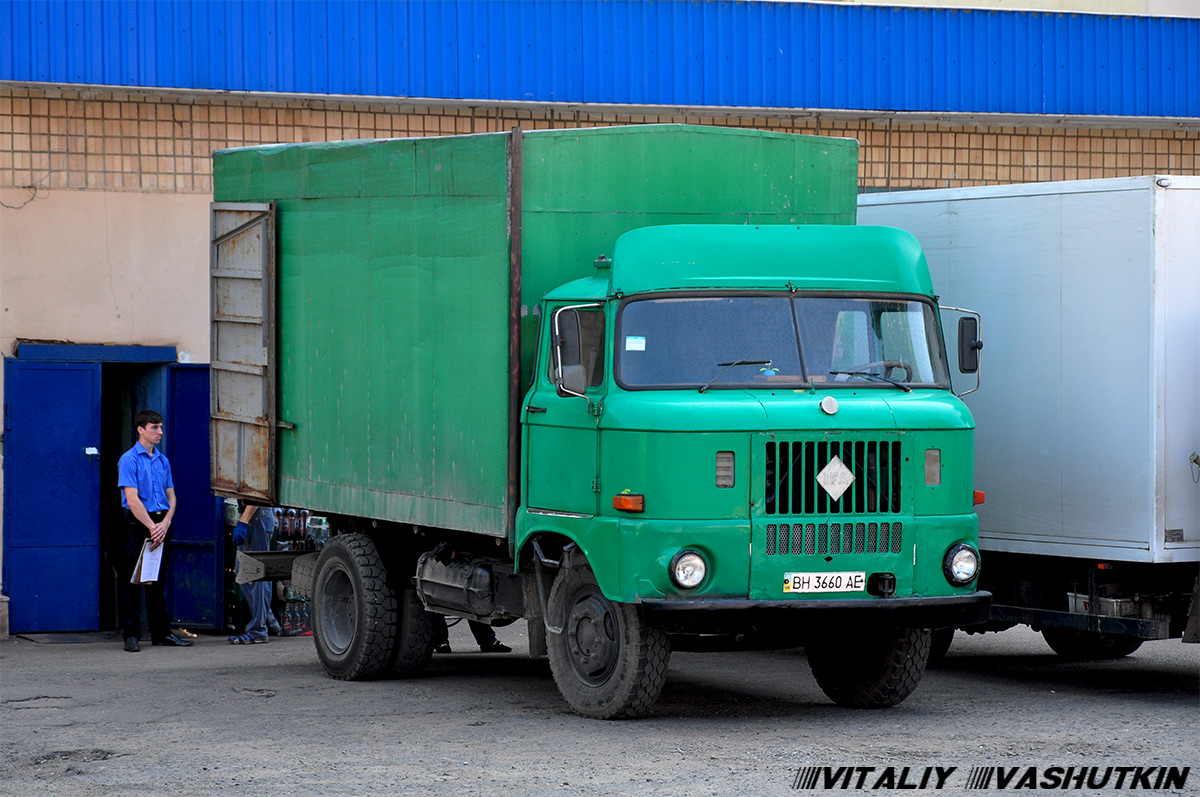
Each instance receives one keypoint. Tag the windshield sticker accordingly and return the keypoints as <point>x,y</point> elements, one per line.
<point>633,343</point>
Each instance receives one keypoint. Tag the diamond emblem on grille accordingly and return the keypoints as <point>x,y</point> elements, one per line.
<point>836,478</point>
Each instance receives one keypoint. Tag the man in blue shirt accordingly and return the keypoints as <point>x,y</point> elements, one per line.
<point>148,495</point>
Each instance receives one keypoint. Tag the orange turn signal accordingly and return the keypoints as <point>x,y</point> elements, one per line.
<point>629,502</point>
<point>980,497</point>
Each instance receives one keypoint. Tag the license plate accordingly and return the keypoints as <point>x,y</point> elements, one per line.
<point>824,582</point>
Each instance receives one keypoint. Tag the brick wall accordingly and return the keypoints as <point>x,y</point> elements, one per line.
<point>140,141</point>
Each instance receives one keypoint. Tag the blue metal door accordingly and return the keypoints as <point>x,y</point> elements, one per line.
<point>195,591</point>
<point>51,492</point>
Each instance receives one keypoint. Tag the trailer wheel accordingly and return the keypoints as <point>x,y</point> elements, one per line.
<point>1082,646</point>
<point>607,663</point>
<point>876,670</point>
<point>354,610</point>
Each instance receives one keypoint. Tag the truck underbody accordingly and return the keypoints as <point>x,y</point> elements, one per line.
<point>1089,609</point>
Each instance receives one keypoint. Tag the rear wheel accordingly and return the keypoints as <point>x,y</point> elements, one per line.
<point>878,670</point>
<point>606,662</point>
<point>354,610</point>
<point>1082,646</point>
<point>414,633</point>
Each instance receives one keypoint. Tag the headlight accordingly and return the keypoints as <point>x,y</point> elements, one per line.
<point>961,564</point>
<point>688,569</point>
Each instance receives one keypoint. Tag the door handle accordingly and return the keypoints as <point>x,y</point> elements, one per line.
<point>532,408</point>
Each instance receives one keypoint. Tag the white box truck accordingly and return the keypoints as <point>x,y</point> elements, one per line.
<point>1088,409</point>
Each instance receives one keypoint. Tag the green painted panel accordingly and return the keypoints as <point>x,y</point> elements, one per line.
<point>631,556</point>
<point>396,375</point>
<point>462,165</point>
<point>935,536</point>
<point>648,546</point>
<point>459,166</point>
<point>257,174</point>
<point>321,277</point>
<point>335,170</point>
<point>393,319</point>
<point>811,257</point>
<point>676,472</point>
<point>688,169</point>
<point>955,494</point>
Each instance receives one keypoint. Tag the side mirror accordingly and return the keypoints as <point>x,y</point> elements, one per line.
<point>567,350</point>
<point>567,340</point>
<point>573,380</point>
<point>969,344</point>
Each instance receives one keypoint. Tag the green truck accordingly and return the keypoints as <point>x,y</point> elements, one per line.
<point>644,387</point>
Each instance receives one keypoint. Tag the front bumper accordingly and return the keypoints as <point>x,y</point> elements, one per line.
<point>746,616</point>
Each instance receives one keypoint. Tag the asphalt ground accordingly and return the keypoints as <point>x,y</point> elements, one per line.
<point>79,716</point>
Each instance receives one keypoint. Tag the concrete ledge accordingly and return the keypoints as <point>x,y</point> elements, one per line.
<point>3,617</point>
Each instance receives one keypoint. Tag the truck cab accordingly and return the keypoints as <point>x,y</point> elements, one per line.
<point>750,432</point>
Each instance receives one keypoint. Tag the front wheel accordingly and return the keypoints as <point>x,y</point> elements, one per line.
<point>606,662</point>
<point>878,669</point>
<point>939,645</point>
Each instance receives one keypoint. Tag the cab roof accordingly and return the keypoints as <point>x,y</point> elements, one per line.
<point>771,257</point>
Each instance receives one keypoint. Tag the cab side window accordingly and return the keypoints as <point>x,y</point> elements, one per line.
<point>586,326</point>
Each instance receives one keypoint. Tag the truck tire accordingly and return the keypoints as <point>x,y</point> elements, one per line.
<point>940,641</point>
<point>607,663</point>
<point>878,670</point>
<point>353,610</point>
<point>414,634</point>
<point>1085,646</point>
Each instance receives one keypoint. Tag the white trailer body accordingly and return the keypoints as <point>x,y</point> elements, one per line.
<point>1088,412</point>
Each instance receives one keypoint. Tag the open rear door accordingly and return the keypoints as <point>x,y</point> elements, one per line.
<point>242,282</point>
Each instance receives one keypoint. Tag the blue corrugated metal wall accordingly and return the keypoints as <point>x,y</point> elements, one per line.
<point>675,53</point>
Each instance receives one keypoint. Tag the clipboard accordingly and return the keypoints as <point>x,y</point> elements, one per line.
<point>148,564</point>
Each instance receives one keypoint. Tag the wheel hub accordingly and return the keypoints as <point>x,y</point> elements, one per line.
<point>592,638</point>
<point>337,608</point>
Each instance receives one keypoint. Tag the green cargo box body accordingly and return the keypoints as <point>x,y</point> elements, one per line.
<point>393,286</point>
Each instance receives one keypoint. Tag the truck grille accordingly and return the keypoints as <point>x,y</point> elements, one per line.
<point>792,468</point>
<point>822,539</point>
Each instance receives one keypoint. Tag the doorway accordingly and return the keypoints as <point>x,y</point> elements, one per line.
<point>69,418</point>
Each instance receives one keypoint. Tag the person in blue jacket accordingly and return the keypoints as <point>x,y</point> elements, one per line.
<point>253,533</point>
<point>148,495</point>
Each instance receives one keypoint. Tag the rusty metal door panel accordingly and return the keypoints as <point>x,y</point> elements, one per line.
<point>242,285</point>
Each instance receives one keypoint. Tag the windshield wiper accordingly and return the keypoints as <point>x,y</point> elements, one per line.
<point>870,375</point>
<point>727,365</point>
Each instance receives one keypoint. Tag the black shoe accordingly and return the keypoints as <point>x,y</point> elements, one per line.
<point>442,648</point>
<point>131,644</point>
<point>172,641</point>
<point>495,647</point>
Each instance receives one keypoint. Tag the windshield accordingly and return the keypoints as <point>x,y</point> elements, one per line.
<point>741,341</point>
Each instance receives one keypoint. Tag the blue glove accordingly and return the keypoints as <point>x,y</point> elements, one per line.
<point>239,533</point>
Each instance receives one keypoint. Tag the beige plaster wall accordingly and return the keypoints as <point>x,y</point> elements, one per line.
<point>105,267</point>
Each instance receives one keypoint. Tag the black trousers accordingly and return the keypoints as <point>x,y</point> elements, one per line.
<point>482,632</point>
<point>129,596</point>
